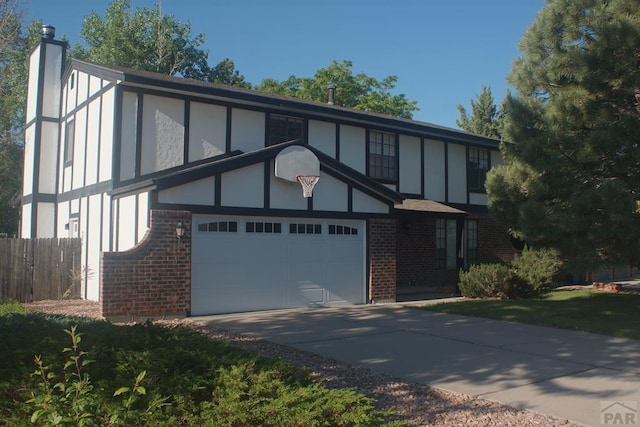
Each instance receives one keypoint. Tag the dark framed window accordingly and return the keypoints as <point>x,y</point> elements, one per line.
<point>305,228</point>
<point>446,257</point>
<point>69,138</point>
<point>472,242</point>
<point>285,128</point>
<point>263,227</point>
<point>477,168</point>
<point>219,227</point>
<point>382,156</point>
<point>335,229</point>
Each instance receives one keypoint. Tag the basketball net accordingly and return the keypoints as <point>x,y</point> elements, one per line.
<point>307,182</point>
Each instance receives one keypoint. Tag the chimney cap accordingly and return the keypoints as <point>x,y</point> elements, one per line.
<point>48,31</point>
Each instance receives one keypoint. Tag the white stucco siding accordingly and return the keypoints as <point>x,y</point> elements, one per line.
<point>410,173</point>
<point>83,229</point>
<point>353,147</point>
<point>143,215</point>
<point>478,199</point>
<point>45,224</point>
<point>330,194</point>
<point>207,131</point>
<point>434,170</point>
<point>32,87</point>
<point>93,138</point>
<point>162,133</point>
<point>52,70</point>
<point>64,99</point>
<point>243,187</point>
<point>126,224</point>
<point>93,237</point>
<point>72,91</point>
<point>83,87</point>
<point>106,136</point>
<point>457,173</point>
<point>48,158</point>
<point>62,219</point>
<point>27,182</point>
<point>322,135</point>
<point>25,221</point>
<point>79,147</point>
<point>201,192</point>
<point>285,194</point>
<point>95,84</point>
<point>106,223</point>
<point>128,135</point>
<point>365,203</point>
<point>247,130</point>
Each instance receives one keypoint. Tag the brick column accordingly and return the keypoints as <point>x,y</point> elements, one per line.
<point>153,279</point>
<point>382,260</point>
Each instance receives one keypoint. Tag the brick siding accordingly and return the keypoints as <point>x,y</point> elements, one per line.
<point>153,279</point>
<point>494,243</point>
<point>382,260</point>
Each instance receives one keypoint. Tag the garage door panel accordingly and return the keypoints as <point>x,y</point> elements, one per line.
<point>252,269</point>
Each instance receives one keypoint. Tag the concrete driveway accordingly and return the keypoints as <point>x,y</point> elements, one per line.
<point>578,376</point>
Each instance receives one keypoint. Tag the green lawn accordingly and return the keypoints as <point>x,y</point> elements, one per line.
<point>204,382</point>
<point>590,311</point>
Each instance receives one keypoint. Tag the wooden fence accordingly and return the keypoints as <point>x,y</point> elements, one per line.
<point>39,269</point>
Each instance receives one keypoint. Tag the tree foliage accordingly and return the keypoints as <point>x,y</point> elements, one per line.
<point>359,91</point>
<point>485,118</point>
<point>572,178</point>
<point>145,39</point>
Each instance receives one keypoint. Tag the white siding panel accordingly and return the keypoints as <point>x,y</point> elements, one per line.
<point>79,146</point>
<point>83,228</point>
<point>201,192</point>
<point>247,130</point>
<point>286,194</point>
<point>143,215</point>
<point>53,68</point>
<point>25,220</point>
<point>32,90</point>
<point>478,199</point>
<point>365,203</point>
<point>65,89</point>
<point>322,135</point>
<point>83,86</point>
<point>72,91</point>
<point>330,194</point>
<point>126,223</point>
<point>106,135</point>
<point>74,206</point>
<point>162,133</point>
<point>106,222</point>
<point>244,187</point>
<point>66,183</point>
<point>207,131</point>
<point>457,173</point>
<point>94,234</point>
<point>353,148</point>
<point>62,219</point>
<point>434,170</point>
<point>496,159</point>
<point>93,135</point>
<point>95,84</point>
<point>48,158</point>
<point>27,183</point>
<point>410,165</point>
<point>128,135</point>
<point>46,215</point>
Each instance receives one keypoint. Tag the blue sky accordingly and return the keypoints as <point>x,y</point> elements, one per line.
<point>442,51</point>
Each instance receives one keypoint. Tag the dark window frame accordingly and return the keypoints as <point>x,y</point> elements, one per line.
<point>285,128</point>
<point>478,164</point>
<point>383,156</point>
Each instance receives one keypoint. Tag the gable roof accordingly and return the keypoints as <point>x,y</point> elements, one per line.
<point>129,76</point>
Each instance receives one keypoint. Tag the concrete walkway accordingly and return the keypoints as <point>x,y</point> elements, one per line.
<point>571,375</point>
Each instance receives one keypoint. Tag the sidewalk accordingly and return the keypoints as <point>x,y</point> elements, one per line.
<point>566,374</point>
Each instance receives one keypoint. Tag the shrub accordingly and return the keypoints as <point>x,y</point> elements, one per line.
<point>538,268</point>
<point>11,306</point>
<point>486,281</point>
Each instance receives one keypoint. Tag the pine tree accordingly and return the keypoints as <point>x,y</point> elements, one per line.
<point>485,119</point>
<point>572,176</point>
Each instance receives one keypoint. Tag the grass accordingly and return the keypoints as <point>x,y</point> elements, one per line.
<point>589,311</point>
<point>206,382</point>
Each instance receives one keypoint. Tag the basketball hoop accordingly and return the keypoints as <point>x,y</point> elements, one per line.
<point>307,182</point>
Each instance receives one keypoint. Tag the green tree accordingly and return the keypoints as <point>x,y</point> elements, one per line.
<point>572,178</point>
<point>145,39</point>
<point>485,118</point>
<point>359,91</point>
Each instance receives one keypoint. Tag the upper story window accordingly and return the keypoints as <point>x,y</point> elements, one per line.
<point>382,156</point>
<point>477,167</point>
<point>70,133</point>
<point>285,128</point>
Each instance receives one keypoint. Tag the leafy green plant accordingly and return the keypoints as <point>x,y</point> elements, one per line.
<point>538,268</point>
<point>11,306</point>
<point>486,281</point>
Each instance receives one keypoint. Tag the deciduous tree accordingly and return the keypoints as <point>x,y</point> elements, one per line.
<point>572,176</point>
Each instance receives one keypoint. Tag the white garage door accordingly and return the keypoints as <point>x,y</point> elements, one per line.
<point>250,263</point>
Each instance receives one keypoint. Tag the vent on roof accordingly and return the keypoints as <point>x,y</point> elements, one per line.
<point>48,31</point>
<point>332,93</point>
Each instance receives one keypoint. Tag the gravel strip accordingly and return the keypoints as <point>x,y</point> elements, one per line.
<point>414,403</point>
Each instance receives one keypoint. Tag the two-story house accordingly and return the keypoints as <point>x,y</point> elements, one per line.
<point>186,195</point>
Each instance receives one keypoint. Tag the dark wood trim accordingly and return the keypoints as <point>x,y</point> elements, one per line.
<point>186,137</point>
<point>138,153</point>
